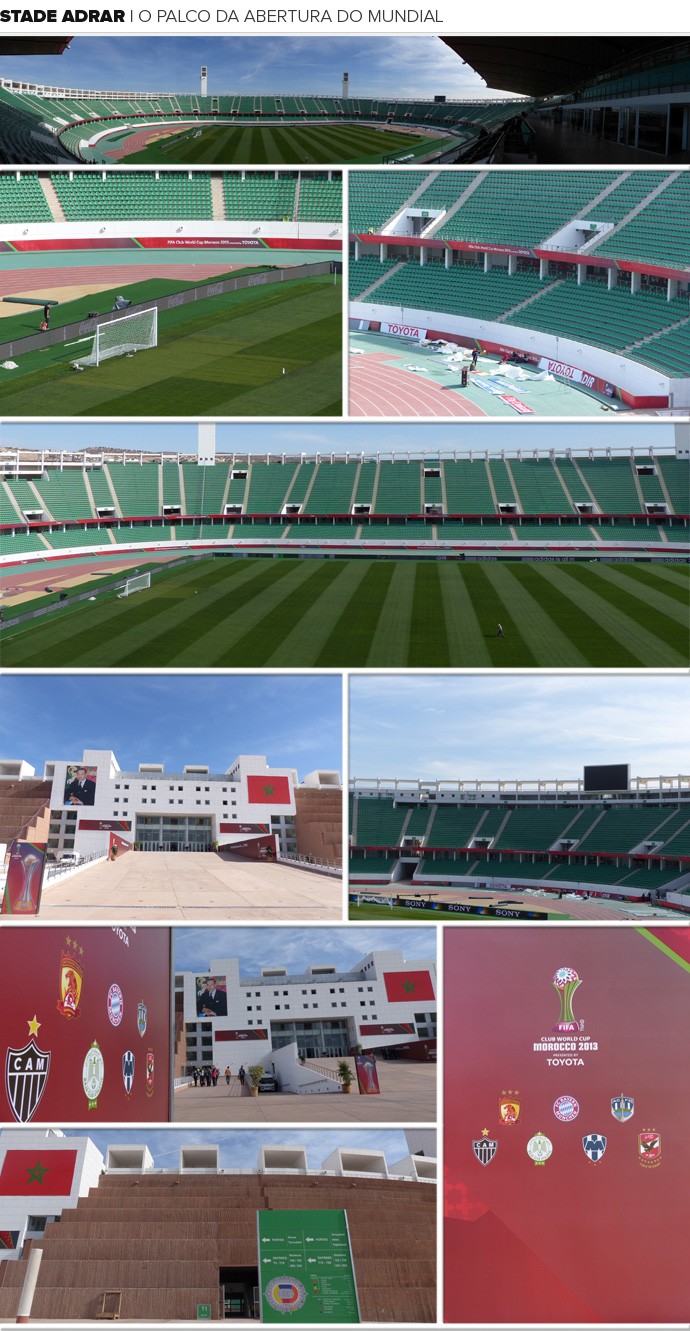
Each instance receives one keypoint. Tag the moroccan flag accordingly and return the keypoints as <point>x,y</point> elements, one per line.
<point>268,789</point>
<point>40,1172</point>
<point>408,986</point>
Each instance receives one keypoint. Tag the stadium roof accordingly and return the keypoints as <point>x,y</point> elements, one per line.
<point>33,45</point>
<point>545,66</point>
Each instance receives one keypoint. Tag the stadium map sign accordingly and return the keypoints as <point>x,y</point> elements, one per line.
<point>306,1273</point>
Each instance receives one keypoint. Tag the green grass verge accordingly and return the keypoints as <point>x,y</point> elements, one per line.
<point>223,356</point>
<point>384,913</point>
<point>259,145</point>
<point>367,612</point>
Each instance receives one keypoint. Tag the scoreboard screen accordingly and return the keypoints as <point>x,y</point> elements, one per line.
<point>612,776</point>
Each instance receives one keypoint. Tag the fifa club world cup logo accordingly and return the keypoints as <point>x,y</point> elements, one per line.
<point>565,982</point>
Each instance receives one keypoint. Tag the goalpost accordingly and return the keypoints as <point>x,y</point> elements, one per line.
<point>120,337</point>
<point>138,584</point>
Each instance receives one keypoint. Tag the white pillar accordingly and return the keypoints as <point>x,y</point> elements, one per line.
<point>581,274</point>
<point>487,265</point>
<point>512,264</point>
<point>672,288</point>
<point>357,250</point>
<point>29,1286</point>
<point>422,255</point>
<point>635,282</point>
<point>612,278</point>
<point>449,259</point>
<point>383,251</point>
<point>543,269</point>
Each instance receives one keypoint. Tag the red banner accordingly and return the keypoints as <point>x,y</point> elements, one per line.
<point>244,827</point>
<point>117,846</point>
<point>24,878</point>
<point>104,825</point>
<point>394,1028</point>
<point>367,1074</point>
<point>268,789</point>
<point>408,986</point>
<point>38,1172</point>
<point>260,1033</point>
<point>86,1024</point>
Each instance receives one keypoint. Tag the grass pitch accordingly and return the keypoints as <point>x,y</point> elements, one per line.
<point>258,145</point>
<point>222,356</point>
<point>367,612</point>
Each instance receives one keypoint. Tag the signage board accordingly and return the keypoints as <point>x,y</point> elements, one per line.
<point>306,1273</point>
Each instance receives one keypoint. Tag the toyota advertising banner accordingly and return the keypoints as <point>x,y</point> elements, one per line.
<point>567,1083</point>
<point>86,1025</point>
<point>306,1273</point>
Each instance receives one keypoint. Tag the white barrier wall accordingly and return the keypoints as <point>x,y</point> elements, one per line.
<point>224,230</point>
<point>628,375</point>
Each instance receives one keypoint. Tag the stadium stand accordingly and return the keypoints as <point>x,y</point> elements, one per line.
<point>632,842</point>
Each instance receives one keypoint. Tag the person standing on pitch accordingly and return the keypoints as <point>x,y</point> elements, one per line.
<point>500,633</point>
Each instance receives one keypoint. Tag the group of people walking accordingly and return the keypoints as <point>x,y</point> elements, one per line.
<point>209,1075</point>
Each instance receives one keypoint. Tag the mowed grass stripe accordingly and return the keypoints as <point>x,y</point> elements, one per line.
<point>428,621</point>
<point>548,639</point>
<point>491,610</point>
<point>609,621</point>
<point>197,637</point>
<point>659,577</point>
<point>466,641</point>
<point>307,580</point>
<point>313,629</point>
<point>642,606</point>
<point>588,635</point>
<point>351,638</point>
<point>390,642</point>
<point>653,595</point>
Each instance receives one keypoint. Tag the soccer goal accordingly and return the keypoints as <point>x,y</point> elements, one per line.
<point>120,337</point>
<point>138,584</point>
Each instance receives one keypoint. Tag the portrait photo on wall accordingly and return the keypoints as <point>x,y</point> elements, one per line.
<point>80,784</point>
<point>211,996</point>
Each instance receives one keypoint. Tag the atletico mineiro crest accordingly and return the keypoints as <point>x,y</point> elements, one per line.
<point>26,1074</point>
<point>485,1149</point>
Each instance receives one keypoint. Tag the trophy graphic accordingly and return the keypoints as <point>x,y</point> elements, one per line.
<point>565,982</point>
<point>29,863</point>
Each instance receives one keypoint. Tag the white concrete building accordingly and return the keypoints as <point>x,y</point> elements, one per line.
<point>250,802</point>
<point>42,1173</point>
<point>274,1018</point>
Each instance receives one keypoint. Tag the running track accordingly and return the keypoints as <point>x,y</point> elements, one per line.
<point>21,584</point>
<point>379,389</point>
<point>522,901</point>
<point>16,283</point>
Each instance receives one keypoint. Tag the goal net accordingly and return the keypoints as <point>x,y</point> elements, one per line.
<point>136,584</point>
<point>133,332</point>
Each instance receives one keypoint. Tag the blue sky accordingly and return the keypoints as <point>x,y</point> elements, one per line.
<point>436,727</point>
<point>240,1147</point>
<point>295,720</point>
<point>337,437</point>
<point>297,948</point>
<point>417,66</point>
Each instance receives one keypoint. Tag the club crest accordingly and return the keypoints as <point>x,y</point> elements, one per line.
<point>649,1149</point>
<point>150,1070</point>
<point>71,981</point>
<point>115,1005</point>
<point>26,1075</point>
<point>623,1108</point>
<point>485,1149</point>
<point>128,1071</point>
<point>142,1017</point>
<point>93,1074</point>
<point>509,1107</point>
<point>566,1108</point>
<point>594,1146</point>
<point>539,1148</point>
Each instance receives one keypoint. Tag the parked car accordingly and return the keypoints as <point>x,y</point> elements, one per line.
<point>268,1083</point>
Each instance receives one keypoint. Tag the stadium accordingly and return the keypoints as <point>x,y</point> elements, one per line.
<point>342,559</point>
<point>572,288</point>
<point>219,1229</point>
<point>170,292</point>
<point>577,99</point>
<point>604,846</point>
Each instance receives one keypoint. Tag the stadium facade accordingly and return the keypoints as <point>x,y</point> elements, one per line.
<point>139,1242</point>
<point>584,276</point>
<point>285,1021</point>
<point>600,502</point>
<point>603,835</point>
<point>252,808</point>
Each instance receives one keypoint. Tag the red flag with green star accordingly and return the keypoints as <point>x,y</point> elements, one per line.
<point>268,789</point>
<point>37,1173</point>
<point>408,986</point>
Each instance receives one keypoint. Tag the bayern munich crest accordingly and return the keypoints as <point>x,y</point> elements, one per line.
<point>26,1075</point>
<point>539,1148</point>
<point>285,1294</point>
<point>115,1005</point>
<point>566,1108</point>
